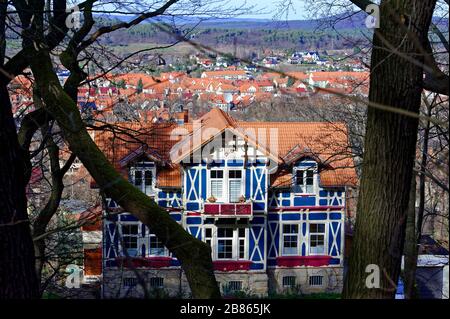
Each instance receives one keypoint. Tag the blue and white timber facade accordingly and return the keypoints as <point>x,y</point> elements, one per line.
<point>275,220</point>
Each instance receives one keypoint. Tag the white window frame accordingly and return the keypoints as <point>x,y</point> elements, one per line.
<point>152,191</point>
<point>122,240</point>
<point>314,178</point>
<point>299,240</point>
<point>149,236</point>
<point>226,183</point>
<point>210,179</point>
<point>241,179</point>
<point>325,239</point>
<point>235,242</point>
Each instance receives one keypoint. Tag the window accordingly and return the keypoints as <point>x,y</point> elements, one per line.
<point>226,185</point>
<point>304,181</point>
<point>241,238</point>
<point>289,281</point>
<point>208,236</point>
<point>290,239</point>
<point>137,179</point>
<point>317,239</point>
<point>156,282</point>
<point>217,184</point>
<point>130,239</point>
<point>235,185</point>
<point>233,286</point>
<point>224,243</point>
<point>148,182</point>
<point>227,242</point>
<point>316,280</point>
<point>156,247</point>
<point>130,282</point>
<point>143,178</point>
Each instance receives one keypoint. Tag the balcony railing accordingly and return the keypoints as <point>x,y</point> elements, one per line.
<point>228,210</point>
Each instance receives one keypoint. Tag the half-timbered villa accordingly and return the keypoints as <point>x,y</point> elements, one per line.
<point>271,198</point>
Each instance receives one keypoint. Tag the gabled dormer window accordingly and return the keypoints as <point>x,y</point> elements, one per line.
<point>143,175</point>
<point>304,180</point>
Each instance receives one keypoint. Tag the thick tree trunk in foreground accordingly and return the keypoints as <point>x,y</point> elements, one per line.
<point>390,144</point>
<point>194,255</point>
<point>17,275</point>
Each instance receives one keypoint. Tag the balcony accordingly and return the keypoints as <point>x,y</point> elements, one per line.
<point>147,262</point>
<point>294,261</point>
<point>231,210</point>
<point>231,265</point>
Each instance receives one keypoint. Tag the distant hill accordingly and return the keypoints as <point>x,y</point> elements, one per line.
<point>356,21</point>
<point>342,22</point>
<point>247,33</point>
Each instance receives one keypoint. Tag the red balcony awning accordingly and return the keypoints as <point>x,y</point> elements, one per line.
<point>228,210</point>
<point>231,265</point>
<point>293,261</point>
<point>150,262</point>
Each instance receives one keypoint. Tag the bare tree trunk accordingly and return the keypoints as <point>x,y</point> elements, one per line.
<point>194,255</point>
<point>414,228</point>
<point>45,215</point>
<point>390,142</point>
<point>17,275</point>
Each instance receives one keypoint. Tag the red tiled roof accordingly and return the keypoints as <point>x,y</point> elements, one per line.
<point>328,142</point>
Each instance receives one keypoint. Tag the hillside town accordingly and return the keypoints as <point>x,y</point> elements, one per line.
<point>228,89</point>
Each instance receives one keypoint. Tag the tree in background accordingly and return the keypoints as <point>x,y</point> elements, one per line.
<point>139,86</point>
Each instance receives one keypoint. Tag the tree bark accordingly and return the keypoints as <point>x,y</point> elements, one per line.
<point>390,143</point>
<point>17,275</point>
<point>45,215</point>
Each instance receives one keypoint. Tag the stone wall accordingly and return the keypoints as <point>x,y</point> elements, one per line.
<point>117,283</point>
<point>331,282</point>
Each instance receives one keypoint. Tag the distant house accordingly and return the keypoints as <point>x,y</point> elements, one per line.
<point>265,85</point>
<point>270,61</point>
<point>226,75</point>
<point>248,89</point>
<point>310,57</point>
<point>432,271</point>
<point>296,58</point>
